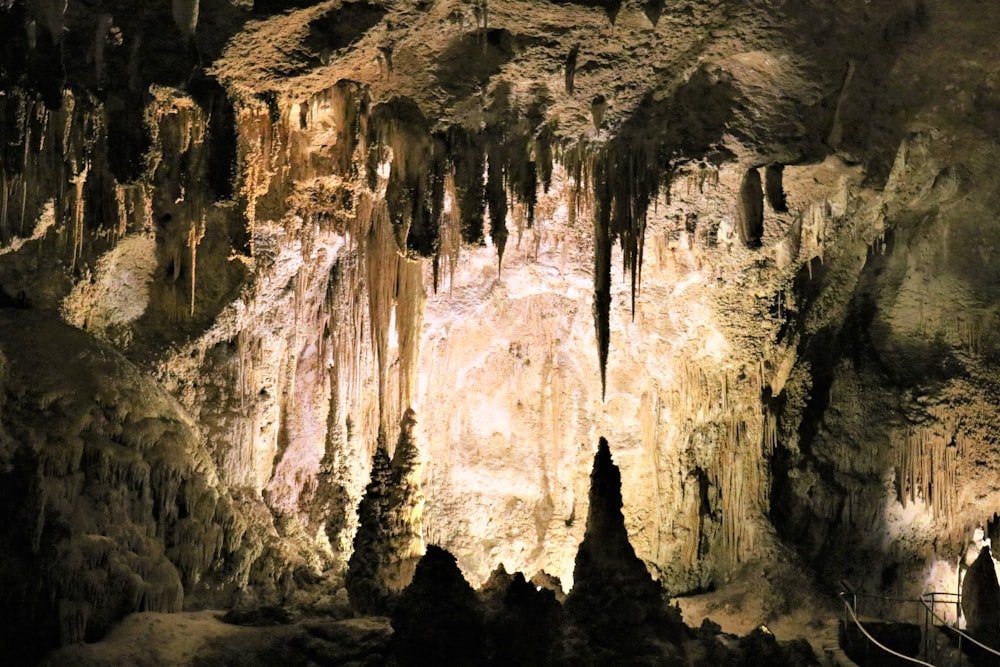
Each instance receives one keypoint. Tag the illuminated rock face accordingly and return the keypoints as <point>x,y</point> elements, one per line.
<point>765,273</point>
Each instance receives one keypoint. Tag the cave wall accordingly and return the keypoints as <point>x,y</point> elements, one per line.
<point>749,244</point>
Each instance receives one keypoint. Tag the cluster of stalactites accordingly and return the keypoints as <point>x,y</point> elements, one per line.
<point>439,185</point>
<point>622,179</point>
<point>926,468</point>
<point>40,152</point>
<point>476,170</point>
<point>419,193</point>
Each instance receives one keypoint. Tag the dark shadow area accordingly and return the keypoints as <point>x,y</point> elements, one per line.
<point>341,27</point>
<point>774,187</point>
<point>862,109</point>
<point>128,138</point>
<point>610,7</point>
<point>750,208</point>
<point>900,637</point>
<point>221,137</point>
<point>471,59</point>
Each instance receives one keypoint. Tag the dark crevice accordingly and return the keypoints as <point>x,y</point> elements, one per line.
<point>128,137</point>
<point>472,59</point>
<point>221,136</point>
<point>341,27</point>
<point>750,210</point>
<point>774,187</point>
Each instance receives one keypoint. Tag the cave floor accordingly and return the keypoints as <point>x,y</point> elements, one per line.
<point>775,593</point>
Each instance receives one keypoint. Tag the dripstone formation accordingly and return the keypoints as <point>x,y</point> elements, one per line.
<point>290,290</point>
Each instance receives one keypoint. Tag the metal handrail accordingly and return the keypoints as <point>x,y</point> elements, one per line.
<point>865,632</point>
<point>930,607</point>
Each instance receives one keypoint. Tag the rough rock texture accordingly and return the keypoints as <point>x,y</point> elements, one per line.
<point>748,242</point>
<point>111,504</point>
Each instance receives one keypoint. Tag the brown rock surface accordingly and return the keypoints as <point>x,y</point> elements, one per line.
<point>750,243</point>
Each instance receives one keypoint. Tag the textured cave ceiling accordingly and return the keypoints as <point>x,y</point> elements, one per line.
<point>750,243</point>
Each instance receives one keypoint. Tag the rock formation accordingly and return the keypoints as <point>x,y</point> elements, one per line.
<point>751,243</point>
<point>981,599</point>
<point>388,542</point>
<point>112,505</point>
<point>614,599</point>
<point>438,619</point>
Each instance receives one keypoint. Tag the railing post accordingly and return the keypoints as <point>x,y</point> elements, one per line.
<point>927,637</point>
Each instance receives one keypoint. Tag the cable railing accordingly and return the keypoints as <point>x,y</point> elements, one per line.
<point>930,602</point>
<point>850,598</point>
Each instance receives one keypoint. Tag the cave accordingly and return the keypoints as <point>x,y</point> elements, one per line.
<point>535,332</point>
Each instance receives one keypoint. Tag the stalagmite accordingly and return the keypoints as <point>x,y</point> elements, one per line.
<point>388,542</point>
<point>614,599</point>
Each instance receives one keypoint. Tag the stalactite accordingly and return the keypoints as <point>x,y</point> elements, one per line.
<point>602,265</point>
<point>103,27</point>
<point>468,164</point>
<point>970,326</point>
<point>598,107</point>
<point>496,197</point>
<point>399,132</point>
<point>739,474</point>
<point>570,68</point>
<point>926,468</point>
<point>451,230</point>
<point>260,153</point>
<point>649,420</point>
<point>382,263</point>
<point>410,298</point>
<point>185,14</point>
<point>195,235</point>
<point>79,181</point>
<point>653,9</point>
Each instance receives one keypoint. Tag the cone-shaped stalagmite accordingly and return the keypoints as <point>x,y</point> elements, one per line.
<point>364,582</point>
<point>388,541</point>
<point>614,599</point>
